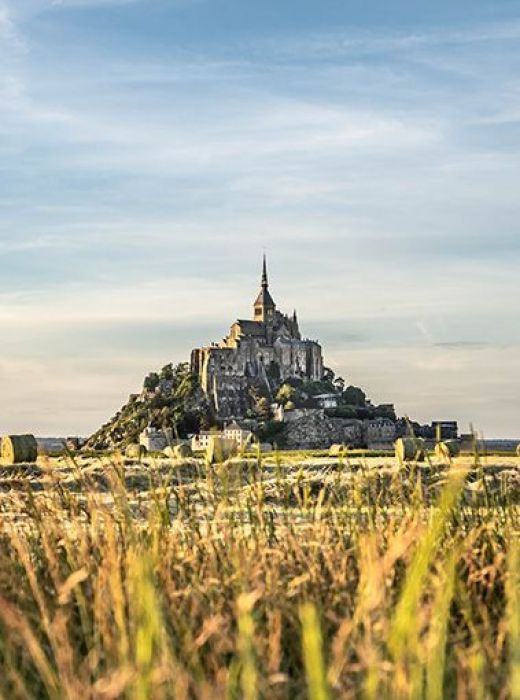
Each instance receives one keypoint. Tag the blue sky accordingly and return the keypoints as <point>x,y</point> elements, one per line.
<point>150,150</point>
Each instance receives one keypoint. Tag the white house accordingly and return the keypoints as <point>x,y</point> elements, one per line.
<point>240,435</point>
<point>327,400</point>
<point>201,441</point>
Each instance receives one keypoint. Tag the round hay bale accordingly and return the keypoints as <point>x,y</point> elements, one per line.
<point>447,450</point>
<point>219,449</point>
<point>410,449</point>
<point>72,444</point>
<point>135,451</point>
<point>336,450</point>
<point>19,449</point>
<point>182,451</point>
<point>266,447</point>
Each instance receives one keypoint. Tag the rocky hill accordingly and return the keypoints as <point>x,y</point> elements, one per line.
<point>173,399</point>
<point>170,398</point>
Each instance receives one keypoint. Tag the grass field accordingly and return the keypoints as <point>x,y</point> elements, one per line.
<point>283,577</point>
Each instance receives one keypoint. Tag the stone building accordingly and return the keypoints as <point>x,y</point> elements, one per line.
<point>153,440</point>
<point>242,436</point>
<point>268,349</point>
<point>379,433</point>
<point>201,440</point>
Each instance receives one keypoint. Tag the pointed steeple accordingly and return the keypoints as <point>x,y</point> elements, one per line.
<point>265,283</point>
<point>264,304</point>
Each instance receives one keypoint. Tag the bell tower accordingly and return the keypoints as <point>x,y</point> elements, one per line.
<point>264,306</point>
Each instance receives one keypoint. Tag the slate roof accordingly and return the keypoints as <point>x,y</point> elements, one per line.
<point>265,299</point>
<point>251,327</point>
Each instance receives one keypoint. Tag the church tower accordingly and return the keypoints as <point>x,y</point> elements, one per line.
<point>264,304</point>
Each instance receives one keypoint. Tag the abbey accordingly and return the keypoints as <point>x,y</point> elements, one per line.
<point>265,351</point>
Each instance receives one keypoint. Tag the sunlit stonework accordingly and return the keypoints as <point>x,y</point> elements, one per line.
<point>267,349</point>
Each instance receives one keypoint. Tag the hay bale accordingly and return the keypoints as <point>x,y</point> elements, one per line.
<point>72,444</point>
<point>266,447</point>
<point>447,450</point>
<point>518,450</point>
<point>410,449</point>
<point>337,450</point>
<point>135,451</point>
<point>256,447</point>
<point>182,451</point>
<point>220,448</point>
<point>19,449</point>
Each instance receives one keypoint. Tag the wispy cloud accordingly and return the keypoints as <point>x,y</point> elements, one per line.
<point>139,172</point>
<point>89,3</point>
<point>341,43</point>
<point>462,344</point>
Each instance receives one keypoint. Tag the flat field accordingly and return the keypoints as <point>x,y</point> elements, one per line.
<point>285,576</point>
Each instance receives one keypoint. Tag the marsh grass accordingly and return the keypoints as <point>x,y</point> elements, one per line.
<point>259,579</point>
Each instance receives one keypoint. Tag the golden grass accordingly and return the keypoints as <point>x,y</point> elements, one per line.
<point>260,579</point>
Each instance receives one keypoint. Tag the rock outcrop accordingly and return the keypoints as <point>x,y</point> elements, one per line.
<point>171,399</point>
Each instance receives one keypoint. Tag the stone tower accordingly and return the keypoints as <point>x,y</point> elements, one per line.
<point>264,305</point>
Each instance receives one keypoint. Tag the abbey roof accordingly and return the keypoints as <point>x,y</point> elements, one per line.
<point>265,299</point>
<point>251,327</point>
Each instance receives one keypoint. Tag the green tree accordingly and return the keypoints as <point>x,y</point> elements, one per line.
<point>385,410</point>
<point>328,375</point>
<point>151,382</point>
<point>167,372</point>
<point>354,396</point>
<point>339,384</point>
<point>262,409</point>
<point>285,394</point>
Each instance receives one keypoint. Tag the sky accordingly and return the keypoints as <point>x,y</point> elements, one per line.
<point>151,150</point>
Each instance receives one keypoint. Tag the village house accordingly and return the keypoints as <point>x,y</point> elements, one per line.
<point>242,436</point>
<point>326,400</point>
<point>200,441</point>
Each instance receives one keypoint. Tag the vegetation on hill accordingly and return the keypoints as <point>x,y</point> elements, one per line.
<point>171,399</point>
<point>352,402</point>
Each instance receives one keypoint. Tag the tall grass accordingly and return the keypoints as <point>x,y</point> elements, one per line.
<point>258,580</point>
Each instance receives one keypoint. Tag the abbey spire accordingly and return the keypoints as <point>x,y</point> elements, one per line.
<point>264,305</point>
<point>265,283</point>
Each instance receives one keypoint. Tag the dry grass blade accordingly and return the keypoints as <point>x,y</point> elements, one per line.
<point>313,653</point>
<point>513,616</point>
<point>128,581</point>
<point>246,646</point>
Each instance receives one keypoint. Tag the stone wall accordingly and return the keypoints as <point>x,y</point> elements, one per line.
<point>310,428</point>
